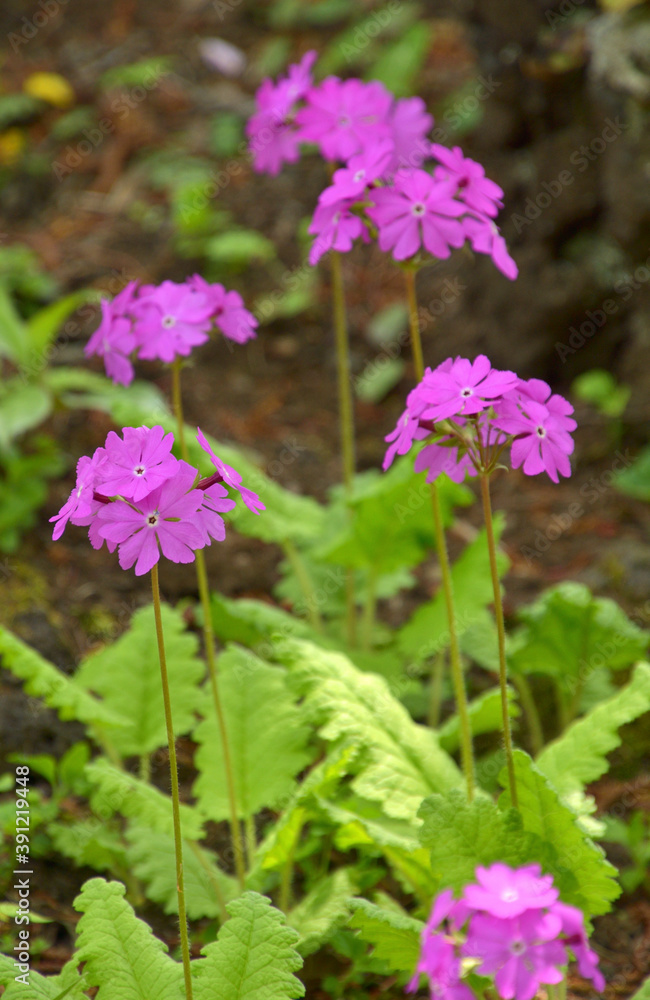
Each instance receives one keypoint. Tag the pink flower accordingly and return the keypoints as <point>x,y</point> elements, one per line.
<point>541,430</point>
<point>209,521</point>
<point>163,520</point>
<point>231,477</point>
<point>335,228</point>
<point>227,310</point>
<point>138,464</point>
<point>80,504</point>
<point>345,116</point>
<point>522,951</point>
<point>274,139</point>
<point>486,238</point>
<point>574,929</point>
<point>508,892</point>
<point>171,320</point>
<point>465,388</point>
<point>417,212</point>
<point>351,181</point>
<point>474,188</point>
<point>436,459</point>
<point>409,123</point>
<point>113,340</point>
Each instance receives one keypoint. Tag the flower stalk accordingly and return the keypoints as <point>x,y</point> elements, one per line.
<point>173,770</point>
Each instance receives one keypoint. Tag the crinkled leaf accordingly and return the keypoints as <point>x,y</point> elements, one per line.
<point>399,761</point>
<point>253,958</point>
<point>115,790</point>
<point>461,835</point>
<point>485,717</point>
<point>322,910</point>
<point>568,633</point>
<point>251,622</point>
<point>89,842</point>
<point>267,737</point>
<point>427,632</point>
<point>152,859</point>
<point>68,985</point>
<point>127,676</point>
<point>391,526</point>
<point>122,957</point>
<point>395,936</point>
<point>579,867</point>
<point>43,680</point>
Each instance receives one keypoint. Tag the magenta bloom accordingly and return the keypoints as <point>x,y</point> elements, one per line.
<point>227,310</point>
<point>409,123</point>
<point>436,459</point>
<point>163,520</point>
<point>231,477</point>
<point>345,116</point>
<point>573,926</point>
<point>509,892</point>
<point>138,464</point>
<point>274,138</point>
<point>541,431</point>
<point>80,504</point>
<point>466,388</point>
<point>417,212</point>
<point>474,188</point>
<point>522,951</point>
<point>171,320</point>
<point>486,238</point>
<point>335,228</point>
<point>114,341</point>
<point>215,503</point>
<point>351,181</point>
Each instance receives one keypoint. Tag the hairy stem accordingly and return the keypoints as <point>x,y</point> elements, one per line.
<point>501,633</point>
<point>208,642</point>
<point>306,585</point>
<point>173,770</point>
<point>435,696</point>
<point>416,340</point>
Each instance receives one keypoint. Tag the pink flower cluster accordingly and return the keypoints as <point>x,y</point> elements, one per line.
<point>133,494</point>
<point>165,322</point>
<point>511,922</point>
<point>382,188</point>
<point>476,412</point>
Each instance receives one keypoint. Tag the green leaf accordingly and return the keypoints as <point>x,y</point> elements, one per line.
<point>391,523</point>
<point>322,910</point>
<point>579,867</point>
<point>127,676</point>
<point>568,633</point>
<point>395,936</point>
<point>69,985</point>
<point>116,790</point>
<point>239,248</point>
<point>43,326</point>
<point>579,755</point>
<point>43,680</point>
<point>427,632</point>
<point>485,717</point>
<point>13,340</point>
<point>122,957</point>
<point>152,859</point>
<point>400,63</point>
<point>462,835</point>
<point>251,622</point>
<point>377,379</point>
<point>263,724</point>
<point>643,993</point>
<point>79,388</point>
<point>144,72</point>
<point>89,842</point>
<point>634,479</point>
<point>22,406</point>
<point>399,762</point>
<point>253,958</point>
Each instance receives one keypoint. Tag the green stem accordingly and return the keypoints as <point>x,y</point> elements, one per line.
<point>501,632</point>
<point>251,840</point>
<point>535,730</point>
<point>144,770</point>
<point>416,340</point>
<point>467,755</point>
<point>435,698</point>
<point>458,680</point>
<point>306,585</point>
<point>286,877</point>
<point>346,417</point>
<point>369,611</point>
<point>173,770</point>
<point>208,642</point>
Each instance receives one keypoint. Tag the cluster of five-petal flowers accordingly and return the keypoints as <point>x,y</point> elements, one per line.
<point>511,925</point>
<point>135,495</point>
